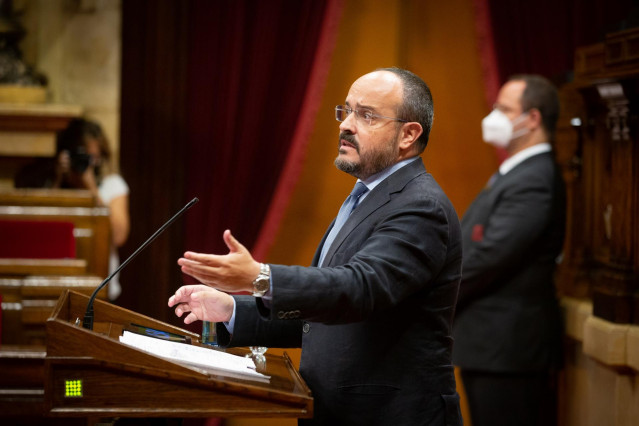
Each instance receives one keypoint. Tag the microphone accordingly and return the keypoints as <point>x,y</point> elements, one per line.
<point>88,316</point>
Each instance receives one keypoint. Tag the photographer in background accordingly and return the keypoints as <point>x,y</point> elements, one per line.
<point>83,161</point>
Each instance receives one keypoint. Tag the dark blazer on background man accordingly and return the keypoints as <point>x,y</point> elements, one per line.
<point>508,318</point>
<point>375,323</point>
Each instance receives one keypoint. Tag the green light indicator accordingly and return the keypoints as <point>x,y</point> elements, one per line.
<point>73,388</point>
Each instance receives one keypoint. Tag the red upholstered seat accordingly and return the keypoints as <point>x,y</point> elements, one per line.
<point>36,239</point>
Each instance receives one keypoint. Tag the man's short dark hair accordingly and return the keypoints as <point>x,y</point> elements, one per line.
<point>417,103</point>
<point>542,95</point>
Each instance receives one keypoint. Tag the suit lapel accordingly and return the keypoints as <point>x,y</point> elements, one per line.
<point>476,214</point>
<point>377,198</point>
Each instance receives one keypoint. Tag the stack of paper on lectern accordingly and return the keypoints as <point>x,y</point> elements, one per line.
<point>221,363</point>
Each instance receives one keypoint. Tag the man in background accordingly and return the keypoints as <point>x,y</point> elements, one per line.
<point>373,314</point>
<point>508,329</point>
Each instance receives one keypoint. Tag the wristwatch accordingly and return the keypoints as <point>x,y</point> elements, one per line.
<point>262,283</point>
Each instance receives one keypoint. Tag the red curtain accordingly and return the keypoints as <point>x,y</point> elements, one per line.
<point>218,98</point>
<point>518,36</point>
<point>256,70</point>
<point>312,99</point>
<point>152,152</point>
<point>487,54</point>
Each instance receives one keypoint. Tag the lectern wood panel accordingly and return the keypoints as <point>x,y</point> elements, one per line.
<point>90,373</point>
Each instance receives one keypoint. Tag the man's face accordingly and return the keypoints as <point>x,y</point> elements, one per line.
<point>367,149</point>
<point>509,99</point>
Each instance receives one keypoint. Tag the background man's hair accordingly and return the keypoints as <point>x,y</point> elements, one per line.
<point>542,95</point>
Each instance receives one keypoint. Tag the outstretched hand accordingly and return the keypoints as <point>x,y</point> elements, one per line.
<point>202,303</point>
<point>232,272</point>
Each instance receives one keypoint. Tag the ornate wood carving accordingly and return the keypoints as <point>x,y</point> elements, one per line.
<point>598,147</point>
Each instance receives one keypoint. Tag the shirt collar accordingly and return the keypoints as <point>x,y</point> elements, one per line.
<point>378,177</point>
<point>511,162</point>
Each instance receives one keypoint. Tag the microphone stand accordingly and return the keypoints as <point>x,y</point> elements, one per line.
<point>88,316</point>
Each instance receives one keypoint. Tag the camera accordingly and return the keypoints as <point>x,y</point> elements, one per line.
<point>80,160</point>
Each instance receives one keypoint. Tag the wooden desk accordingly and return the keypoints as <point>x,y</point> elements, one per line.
<point>24,267</point>
<point>30,289</point>
<point>22,398</point>
<point>47,197</point>
<point>119,380</point>
<point>92,231</point>
<point>21,381</point>
<point>27,302</point>
<point>28,131</point>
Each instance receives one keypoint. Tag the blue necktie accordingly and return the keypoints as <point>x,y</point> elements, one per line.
<point>344,212</point>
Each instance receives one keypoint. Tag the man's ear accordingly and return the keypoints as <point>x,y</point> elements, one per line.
<point>534,119</point>
<point>410,133</point>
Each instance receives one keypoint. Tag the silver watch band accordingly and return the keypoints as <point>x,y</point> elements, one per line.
<point>262,283</point>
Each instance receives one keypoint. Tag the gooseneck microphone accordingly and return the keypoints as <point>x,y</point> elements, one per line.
<point>88,316</point>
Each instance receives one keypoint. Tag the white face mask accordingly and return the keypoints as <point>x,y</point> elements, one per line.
<point>497,129</point>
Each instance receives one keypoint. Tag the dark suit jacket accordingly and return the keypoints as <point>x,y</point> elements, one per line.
<point>507,314</point>
<point>375,324</point>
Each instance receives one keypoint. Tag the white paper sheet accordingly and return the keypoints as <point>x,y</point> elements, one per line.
<point>214,361</point>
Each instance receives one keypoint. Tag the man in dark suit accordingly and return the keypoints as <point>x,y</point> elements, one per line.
<point>508,329</point>
<point>373,315</point>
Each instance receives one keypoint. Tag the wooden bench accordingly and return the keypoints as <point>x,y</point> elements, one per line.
<point>91,229</point>
<point>27,303</point>
<point>47,197</point>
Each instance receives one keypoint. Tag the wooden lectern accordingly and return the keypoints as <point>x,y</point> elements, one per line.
<point>89,373</point>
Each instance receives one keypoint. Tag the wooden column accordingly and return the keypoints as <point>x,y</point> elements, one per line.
<point>598,146</point>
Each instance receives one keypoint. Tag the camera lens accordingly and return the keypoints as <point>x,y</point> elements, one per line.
<point>80,162</point>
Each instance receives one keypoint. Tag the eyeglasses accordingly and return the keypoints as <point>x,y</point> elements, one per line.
<point>342,112</point>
